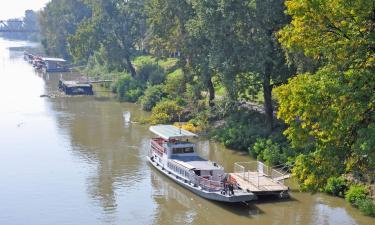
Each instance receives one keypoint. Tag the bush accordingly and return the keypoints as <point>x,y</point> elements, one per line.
<point>151,73</point>
<point>165,112</point>
<point>336,186</point>
<point>152,95</point>
<point>175,84</point>
<point>355,194</point>
<point>241,130</point>
<point>268,151</point>
<point>189,127</point>
<point>128,89</point>
<point>366,206</point>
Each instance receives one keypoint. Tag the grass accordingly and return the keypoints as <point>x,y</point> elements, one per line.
<point>166,64</point>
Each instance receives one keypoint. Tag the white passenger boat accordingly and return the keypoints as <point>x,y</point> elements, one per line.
<point>174,155</point>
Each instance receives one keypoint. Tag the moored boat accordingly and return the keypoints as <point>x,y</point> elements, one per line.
<point>174,155</point>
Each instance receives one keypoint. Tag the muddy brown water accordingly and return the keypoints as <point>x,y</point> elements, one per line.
<point>78,160</point>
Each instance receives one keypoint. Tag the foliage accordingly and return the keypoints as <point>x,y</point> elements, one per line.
<point>166,111</point>
<point>58,20</point>
<point>167,64</point>
<point>189,127</point>
<point>337,119</point>
<point>331,112</point>
<point>152,95</point>
<point>174,84</point>
<point>128,89</point>
<point>312,170</point>
<point>336,186</point>
<point>355,194</point>
<point>335,31</point>
<point>151,73</point>
<point>116,28</point>
<point>366,206</point>
<point>238,31</point>
<point>268,151</point>
<point>241,130</point>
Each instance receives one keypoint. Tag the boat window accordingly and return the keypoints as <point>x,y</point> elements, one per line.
<point>183,150</point>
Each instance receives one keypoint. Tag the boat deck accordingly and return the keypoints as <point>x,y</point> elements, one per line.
<point>259,183</point>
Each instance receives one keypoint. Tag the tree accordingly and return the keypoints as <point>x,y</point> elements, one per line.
<point>31,23</point>
<point>58,20</point>
<point>331,112</point>
<point>116,28</point>
<point>242,42</point>
<point>336,32</point>
<point>172,24</point>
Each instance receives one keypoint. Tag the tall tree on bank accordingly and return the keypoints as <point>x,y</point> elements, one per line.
<point>243,42</point>
<point>331,112</point>
<point>114,32</point>
<point>172,29</point>
<point>58,20</point>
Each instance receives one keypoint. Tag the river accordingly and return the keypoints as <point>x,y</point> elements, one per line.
<point>78,160</point>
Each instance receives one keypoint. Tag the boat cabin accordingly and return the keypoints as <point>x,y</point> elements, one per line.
<point>173,149</point>
<point>55,65</point>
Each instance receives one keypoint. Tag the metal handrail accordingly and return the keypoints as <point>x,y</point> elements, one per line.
<point>245,167</point>
<point>156,146</point>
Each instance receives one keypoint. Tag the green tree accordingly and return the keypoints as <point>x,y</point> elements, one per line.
<point>172,25</point>
<point>331,112</point>
<point>242,43</point>
<point>116,28</point>
<point>58,20</point>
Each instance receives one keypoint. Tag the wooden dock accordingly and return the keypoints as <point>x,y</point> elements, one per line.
<point>258,183</point>
<point>260,179</point>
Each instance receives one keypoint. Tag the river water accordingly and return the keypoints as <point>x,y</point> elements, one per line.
<point>78,160</point>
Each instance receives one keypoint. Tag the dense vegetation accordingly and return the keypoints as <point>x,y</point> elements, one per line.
<point>229,64</point>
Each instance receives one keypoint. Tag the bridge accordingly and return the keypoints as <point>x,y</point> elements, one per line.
<point>14,26</point>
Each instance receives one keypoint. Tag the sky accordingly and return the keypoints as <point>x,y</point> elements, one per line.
<point>16,8</point>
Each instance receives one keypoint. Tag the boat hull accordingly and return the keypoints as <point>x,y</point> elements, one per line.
<point>215,196</point>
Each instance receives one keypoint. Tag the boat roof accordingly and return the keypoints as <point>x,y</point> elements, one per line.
<point>72,83</point>
<point>195,162</point>
<point>54,59</point>
<point>169,132</point>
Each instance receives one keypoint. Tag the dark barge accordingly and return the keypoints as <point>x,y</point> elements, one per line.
<point>75,87</point>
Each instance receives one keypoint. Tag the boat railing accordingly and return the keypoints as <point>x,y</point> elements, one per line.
<point>206,184</point>
<point>156,145</point>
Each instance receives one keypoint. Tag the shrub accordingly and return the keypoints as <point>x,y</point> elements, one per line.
<point>355,194</point>
<point>267,151</point>
<point>165,112</point>
<point>175,84</point>
<point>366,206</point>
<point>188,126</point>
<point>335,186</point>
<point>128,89</point>
<point>241,130</point>
<point>151,73</point>
<point>152,95</point>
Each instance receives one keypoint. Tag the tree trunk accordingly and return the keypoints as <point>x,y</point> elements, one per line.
<point>131,69</point>
<point>211,92</point>
<point>267,93</point>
